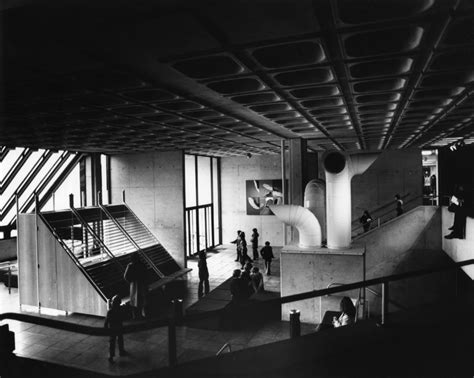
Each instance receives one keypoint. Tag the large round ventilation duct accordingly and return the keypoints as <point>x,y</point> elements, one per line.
<point>304,220</point>
<point>315,201</point>
<point>339,169</point>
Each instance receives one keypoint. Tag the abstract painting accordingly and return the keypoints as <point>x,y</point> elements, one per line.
<point>261,194</point>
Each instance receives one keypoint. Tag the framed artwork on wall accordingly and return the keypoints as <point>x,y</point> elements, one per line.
<point>261,194</point>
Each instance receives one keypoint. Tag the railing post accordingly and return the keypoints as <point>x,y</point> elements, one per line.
<point>99,197</point>
<point>172,359</point>
<point>384,303</point>
<point>71,200</point>
<point>123,196</point>
<point>178,313</point>
<point>9,280</point>
<point>295,326</point>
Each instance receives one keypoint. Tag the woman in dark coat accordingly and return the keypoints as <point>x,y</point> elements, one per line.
<point>254,241</point>
<point>244,257</point>
<point>203,275</point>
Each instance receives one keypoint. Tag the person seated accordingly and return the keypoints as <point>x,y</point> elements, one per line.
<point>336,319</point>
<point>257,280</point>
<point>348,312</point>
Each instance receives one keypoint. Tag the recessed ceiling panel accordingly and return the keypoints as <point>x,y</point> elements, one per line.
<point>394,66</point>
<point>384,41</point>
<point>364,11</point>
<point>323,91</point>
<point>290,54</point>
<point>379,85</point>
<point>256,98</point>
<point>236,85</point>
<point>211,66</point>
<point>323,103</point>
<point>305,77</point>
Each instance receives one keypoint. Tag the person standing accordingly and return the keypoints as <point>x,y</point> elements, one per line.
<point>114,322</point>
<point>203,275</point>
<point>267,254</point>
<point>399,208</point>
<point>254,241</point>
<point>459,226</point>
<point>244,257</point>
<point>136,274</point>
<point>238,245</point>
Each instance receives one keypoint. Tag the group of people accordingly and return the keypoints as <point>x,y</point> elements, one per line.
<point>366,219</point>
<point>242,252</point>
<point>246,282</point>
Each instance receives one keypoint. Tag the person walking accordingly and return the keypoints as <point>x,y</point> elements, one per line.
<point>254,241</point>
<point>135,274</point>
<point>203,275</point>
<point>267,254</point>
<point>366,220</point>
<point>237,245</point>
<point>114,322</point>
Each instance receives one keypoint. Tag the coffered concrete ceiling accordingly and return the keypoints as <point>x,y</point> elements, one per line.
<point>229,78</point>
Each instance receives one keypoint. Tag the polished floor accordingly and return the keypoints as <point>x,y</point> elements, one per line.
<point>149,349</point>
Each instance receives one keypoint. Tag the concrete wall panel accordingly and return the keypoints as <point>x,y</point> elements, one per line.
<point>234,173</point>
<point>154,186</point>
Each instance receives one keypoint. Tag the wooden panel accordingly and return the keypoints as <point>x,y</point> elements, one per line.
<point>47,267</point>
<point>75,292</point>
<point>27,273</point>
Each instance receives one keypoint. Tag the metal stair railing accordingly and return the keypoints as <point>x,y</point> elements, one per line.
<point>130,239</point>
<point>72,256</point>
<point>96,238</point>
<point>145,228</point>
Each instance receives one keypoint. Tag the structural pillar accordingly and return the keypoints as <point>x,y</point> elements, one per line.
<point>296,178</point>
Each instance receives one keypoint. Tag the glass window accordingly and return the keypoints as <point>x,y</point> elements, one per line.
<point>204,180</point>
<point>190,180</point>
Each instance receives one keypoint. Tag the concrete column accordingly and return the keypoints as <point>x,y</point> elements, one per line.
<point>297,171</point>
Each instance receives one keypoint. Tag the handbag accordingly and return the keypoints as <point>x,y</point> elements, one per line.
<point>452,207</point>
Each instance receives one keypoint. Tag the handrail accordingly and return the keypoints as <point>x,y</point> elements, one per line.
<point>139,221</point>
<point>388,203</point>
<point>125,233</point>
<point>379,295</point>
<point>290,298</point>
<point>226,345</point>
<point>379,223</point>
<point>95,236</point>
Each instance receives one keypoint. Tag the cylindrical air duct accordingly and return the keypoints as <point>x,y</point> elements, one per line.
<point>315,201</point>
<point>339,169</point>
<point>304,220</point>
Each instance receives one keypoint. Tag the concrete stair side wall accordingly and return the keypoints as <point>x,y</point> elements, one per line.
<point>409,242</point>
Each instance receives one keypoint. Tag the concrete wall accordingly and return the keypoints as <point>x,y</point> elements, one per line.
<point>234,173</point>
<point>458,249</point>
<point>154,187</point>
<point>418,229</point>
<point>408,243</point>
<point>393,172</point>
<point>7,249</point>
<point>308,269</point>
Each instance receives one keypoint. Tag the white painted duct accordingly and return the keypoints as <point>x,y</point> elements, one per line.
<point>339,169</point>
<point>315,201</point>
<point>304,220</point>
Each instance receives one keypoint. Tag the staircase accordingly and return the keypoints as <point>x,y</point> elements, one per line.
<point>101,241</point>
